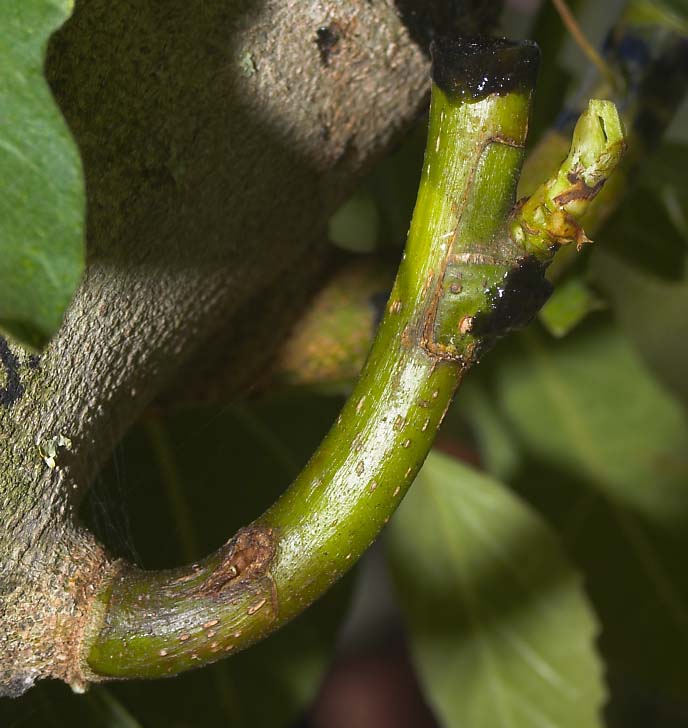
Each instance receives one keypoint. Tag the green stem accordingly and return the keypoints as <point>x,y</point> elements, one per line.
<point>647,48</point>
<point>472,271</point>
<point>328,346</point>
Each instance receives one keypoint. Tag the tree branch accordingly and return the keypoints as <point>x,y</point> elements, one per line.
<point>216,142</point>
<point>655,84</point>
<point>473,270</point>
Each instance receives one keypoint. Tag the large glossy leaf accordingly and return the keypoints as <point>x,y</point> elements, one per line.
<point>583,430</point>
<point>500,629</point>
<point>41,186</point>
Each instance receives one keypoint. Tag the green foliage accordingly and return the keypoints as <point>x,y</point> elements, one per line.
<point>41,187</point>
<point>642,266</point>
<point>650,230</point>
<point>500,629</point>
<point>590,439</point>
<point>652,312</point>
<point>571,302</point>
<point>519,588</point>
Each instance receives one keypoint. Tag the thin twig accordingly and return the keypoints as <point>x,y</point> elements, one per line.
<point>582,42</point>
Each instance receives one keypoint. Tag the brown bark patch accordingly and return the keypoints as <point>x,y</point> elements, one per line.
<point>248,556</point>
<point>578,191</point>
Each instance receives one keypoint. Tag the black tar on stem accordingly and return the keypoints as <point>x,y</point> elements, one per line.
<point>475,67</point>
<point>515,301</point>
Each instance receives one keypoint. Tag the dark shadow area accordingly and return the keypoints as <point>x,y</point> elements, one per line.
<point>451,18</point>
<point>373,688</point>
<point>155,96</point>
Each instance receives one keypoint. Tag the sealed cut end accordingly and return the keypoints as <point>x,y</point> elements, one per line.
<point>474,67</point>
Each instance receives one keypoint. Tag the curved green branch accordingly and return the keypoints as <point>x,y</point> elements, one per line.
<point>655,84</point>
<point>473,270</point>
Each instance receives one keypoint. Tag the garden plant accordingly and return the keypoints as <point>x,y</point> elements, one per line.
<point>229,367</point>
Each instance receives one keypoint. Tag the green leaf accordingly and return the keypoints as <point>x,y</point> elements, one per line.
<point>355,225</point>
<point>570,303</point>
<point>653,314</point>
<point>187,481</point>
<point>500,629</point>
<point>643,234</point>
<point>673,13</point>
<point>650,300</point>
<point>650,230</point>
<point>601,449</point>
<point>41,185</point>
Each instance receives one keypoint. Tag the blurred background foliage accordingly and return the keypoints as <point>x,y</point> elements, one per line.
<point>535,575</point>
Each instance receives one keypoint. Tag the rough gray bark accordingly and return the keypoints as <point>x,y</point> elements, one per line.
<point>217,139</point>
